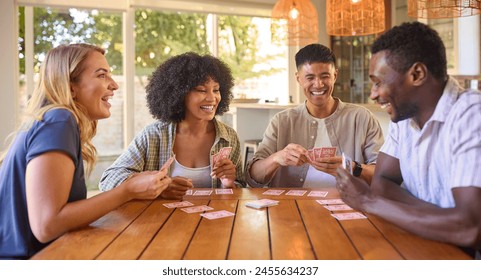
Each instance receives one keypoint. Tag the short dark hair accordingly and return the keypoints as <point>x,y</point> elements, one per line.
<point>173,79</point>
<point>413,42</point>
<point>315,53</point>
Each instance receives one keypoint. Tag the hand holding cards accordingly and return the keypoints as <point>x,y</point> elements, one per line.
<point>222,154</point>
<point>325,152</point>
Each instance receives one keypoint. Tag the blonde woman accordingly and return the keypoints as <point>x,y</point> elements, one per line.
<point>42,185</point>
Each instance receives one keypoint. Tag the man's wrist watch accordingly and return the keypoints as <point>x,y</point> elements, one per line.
<point>357,169</point>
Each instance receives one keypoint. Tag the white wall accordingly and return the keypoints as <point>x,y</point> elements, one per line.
<point>8,69</point>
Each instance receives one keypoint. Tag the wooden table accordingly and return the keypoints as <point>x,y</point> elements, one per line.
<point>298,228</point>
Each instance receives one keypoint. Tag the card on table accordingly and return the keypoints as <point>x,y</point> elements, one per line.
<point>330,201</point>
<point>347,163</point>
<point>273,192</point>
<point>196,209</point>
<point>203,192</point>
<point>349,216</point>
<point>338,207</point>
<point>261,203</point>
<point>318,193</point>
<point>224,191</point>
<point>296,192</point>
<point>178,204</point>
<point>217,214</point>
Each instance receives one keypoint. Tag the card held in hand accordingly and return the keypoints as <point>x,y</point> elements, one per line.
<point>222,154</point>
<point>347,163</point>
<point>168,163</point>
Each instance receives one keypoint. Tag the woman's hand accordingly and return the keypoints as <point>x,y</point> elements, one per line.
<point>147,184</point>
<point>225,170</point>
<point>177,188</point>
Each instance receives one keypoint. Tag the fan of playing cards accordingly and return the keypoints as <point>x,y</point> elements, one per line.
<point>324,152</point>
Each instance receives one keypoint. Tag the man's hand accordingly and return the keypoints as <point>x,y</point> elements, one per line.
<point>292,154</point>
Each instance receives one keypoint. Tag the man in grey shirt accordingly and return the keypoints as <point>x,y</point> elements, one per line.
<point>322,121</point>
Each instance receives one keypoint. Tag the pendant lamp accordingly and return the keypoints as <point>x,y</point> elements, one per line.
<point>443,8</point>
<point>354,17</point>
<point>299,20</point>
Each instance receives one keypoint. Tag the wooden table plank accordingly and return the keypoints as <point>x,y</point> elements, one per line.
<point>174,237</point>
<point>289,240</point>
<point>413,247</point>
<point>211,240</point>
<point>368,241</point>
<point>327,236</point>
<point>250,237</point>
<point>87,243</point>
<point>133,240</point>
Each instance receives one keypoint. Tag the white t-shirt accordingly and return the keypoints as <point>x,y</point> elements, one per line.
<point>314,177</point>
<point>200,176</point>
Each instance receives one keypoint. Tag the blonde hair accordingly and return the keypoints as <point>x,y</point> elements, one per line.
<point>62,67</point>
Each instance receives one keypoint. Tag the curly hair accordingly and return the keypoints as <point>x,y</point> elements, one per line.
<point>413,42</point>
<point>315,53</point>
<point>177,76</point>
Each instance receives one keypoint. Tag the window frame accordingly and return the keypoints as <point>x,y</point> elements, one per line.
<point>128,7</point>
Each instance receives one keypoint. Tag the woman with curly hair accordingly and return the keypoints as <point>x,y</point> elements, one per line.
<point>185,93</point>
<point>42,180</point>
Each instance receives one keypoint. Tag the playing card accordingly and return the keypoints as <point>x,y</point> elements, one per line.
<point>177,204</point>
<point>189,192</point>
<point>196,209</point>
<point>224,191</point>
<point>261,203</point>
<point>222,154</point>
<point>203,192</point>
<point>317,153</point>
<point>328,152</point>
<point>296,192</point>
<point>311,155</point>
<point>338,207</point>
<point>217,214</point>
<point>273,192</point>
<point>318,193</point>
<point>347,163</point>
<point>330,201</point>
<point>349,216</point>
<point>168,163</point>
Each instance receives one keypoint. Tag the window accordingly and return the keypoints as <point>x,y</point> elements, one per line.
<point>259,64</point>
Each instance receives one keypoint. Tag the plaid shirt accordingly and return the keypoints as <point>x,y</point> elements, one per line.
<point>153,147</point>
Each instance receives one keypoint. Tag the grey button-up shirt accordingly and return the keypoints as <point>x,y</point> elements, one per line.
<point>353,129</point>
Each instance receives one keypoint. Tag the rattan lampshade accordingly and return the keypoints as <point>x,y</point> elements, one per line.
<point>300,20</point>
<point>354,17</point>
<point>443,8</point>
